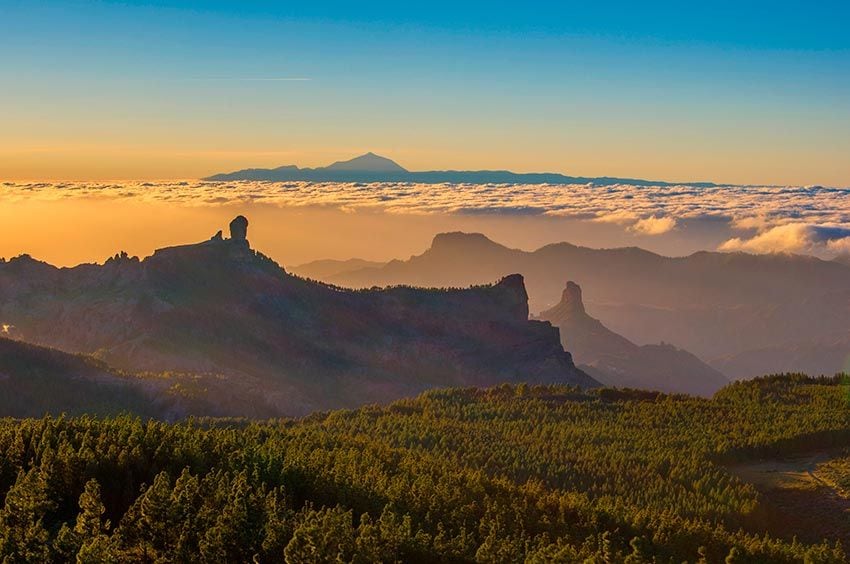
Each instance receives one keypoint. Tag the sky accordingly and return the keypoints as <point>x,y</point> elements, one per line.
<point>731,92</point>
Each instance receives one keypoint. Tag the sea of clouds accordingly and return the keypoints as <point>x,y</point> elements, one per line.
<point>765,218</point>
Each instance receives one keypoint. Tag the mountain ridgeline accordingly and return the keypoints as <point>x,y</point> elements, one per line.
<point>375,168</point>
<point>220,308</point>
<point>747,315</point>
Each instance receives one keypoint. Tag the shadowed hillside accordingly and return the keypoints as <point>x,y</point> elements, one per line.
<point>221,307</point>
<point>36,381</point>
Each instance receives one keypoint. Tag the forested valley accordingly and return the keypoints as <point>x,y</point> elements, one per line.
<point>506,474</point>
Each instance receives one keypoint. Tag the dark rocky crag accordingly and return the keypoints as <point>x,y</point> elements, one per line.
<point>221,307</point>
<point>614,360</point>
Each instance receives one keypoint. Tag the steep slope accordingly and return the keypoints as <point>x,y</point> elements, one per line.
<point>616,361</point>
<point>220,307</point>
<point>713,304</point>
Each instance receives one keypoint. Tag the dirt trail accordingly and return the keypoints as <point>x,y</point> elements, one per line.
<point>796,500</point>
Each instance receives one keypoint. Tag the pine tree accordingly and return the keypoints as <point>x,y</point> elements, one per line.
<point>90,528</point>
<point>90,519</point>
<point>734,556</point>
<point>640,552</point>
<point>326,535</point>
<point>279,524</point>
<point>23,537</point>
<point>154,523</point>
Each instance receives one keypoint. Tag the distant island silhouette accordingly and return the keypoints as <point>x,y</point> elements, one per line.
<point>375,168</point>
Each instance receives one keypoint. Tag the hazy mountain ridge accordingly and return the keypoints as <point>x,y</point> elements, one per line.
<point>374,168</point>
<point>615,361</point>
<point>712,304</point>
<point>819,356</point>
<point>329,268</point>
<point>221,307</point>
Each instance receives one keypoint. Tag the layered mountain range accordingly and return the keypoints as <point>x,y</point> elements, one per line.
<point>745,314</point>
<point>375,168</point>
<point>615,361</point>
<point>219,307</point>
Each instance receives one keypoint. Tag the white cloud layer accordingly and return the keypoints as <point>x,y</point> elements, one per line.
<point>770,218</point>
<point>654,225</point>
<point>620,217</point>
<point>793,238</point>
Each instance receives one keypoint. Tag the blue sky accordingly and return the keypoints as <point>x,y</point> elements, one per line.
<point>716,91</point>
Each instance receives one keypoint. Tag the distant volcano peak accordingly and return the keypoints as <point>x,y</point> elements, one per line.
<point>370,162</point>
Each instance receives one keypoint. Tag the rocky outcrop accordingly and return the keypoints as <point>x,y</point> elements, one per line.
<point>239,228</point>
<point>221,307</point>
<point>614,360</point>
<point>571,300</point>
<point>515,296</point>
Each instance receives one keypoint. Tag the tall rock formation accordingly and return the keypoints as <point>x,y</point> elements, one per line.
<point>615,361</point>
<point>239,228</point>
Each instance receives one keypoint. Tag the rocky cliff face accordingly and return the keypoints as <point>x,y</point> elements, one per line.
<point>616,361</point>
<point>221,307</point>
